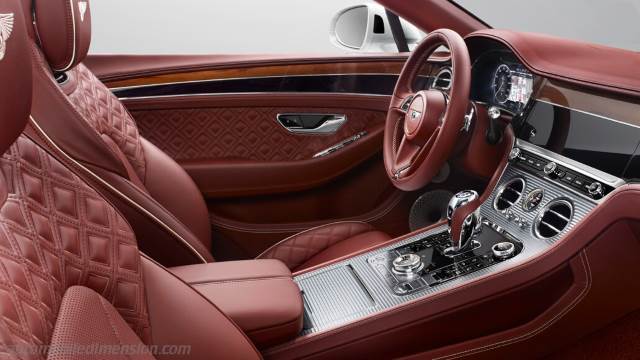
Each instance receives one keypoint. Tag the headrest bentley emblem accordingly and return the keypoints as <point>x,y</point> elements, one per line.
<point>82,6</point>
<point>415,114</point>
<point>6,28</point>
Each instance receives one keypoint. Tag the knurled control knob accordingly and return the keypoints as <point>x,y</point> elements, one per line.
<point>515,154</point>
<point>407,264</point>
<point>596,190</point>
<point>550,168</point>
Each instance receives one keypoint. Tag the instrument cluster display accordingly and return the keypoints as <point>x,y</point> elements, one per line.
<point>499,79</point>
<point>512,86</point>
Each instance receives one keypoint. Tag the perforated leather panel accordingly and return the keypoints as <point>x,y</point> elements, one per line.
<point>56,232</point>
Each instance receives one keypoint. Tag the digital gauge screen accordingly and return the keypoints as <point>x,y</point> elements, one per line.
<point>521,87</point>
<point>512,87</point>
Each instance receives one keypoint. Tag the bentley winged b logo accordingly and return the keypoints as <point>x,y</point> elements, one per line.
<point>6,28</point>
<point>415,114</point>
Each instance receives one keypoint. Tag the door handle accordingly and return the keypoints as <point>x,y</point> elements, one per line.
<point>312,123</point>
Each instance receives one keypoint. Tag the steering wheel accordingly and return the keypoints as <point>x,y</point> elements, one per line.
<point>422,128</point>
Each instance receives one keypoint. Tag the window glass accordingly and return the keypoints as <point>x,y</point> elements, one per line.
<point>216,26</point>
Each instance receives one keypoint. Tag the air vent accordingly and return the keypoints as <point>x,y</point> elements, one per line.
<point>442,81</point>
<point>554,219</point>
<point>509,194</point>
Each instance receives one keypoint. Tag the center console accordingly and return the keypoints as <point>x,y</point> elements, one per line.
<point>539,198</point>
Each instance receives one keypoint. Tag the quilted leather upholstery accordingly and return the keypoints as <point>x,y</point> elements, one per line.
<point>56,232</point>
<point>243,133</point>
<point>297,249</point>
<point>107,115</point>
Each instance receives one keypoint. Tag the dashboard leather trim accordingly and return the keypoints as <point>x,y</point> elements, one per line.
<point>572,61</point>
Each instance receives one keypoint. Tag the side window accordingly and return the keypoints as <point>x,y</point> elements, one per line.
<point>242,27</point>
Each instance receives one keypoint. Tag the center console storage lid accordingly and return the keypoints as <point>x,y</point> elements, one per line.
<point>259,295</point>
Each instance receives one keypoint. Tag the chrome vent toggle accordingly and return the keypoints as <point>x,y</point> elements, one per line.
<point>553,219</point>
<point>510,194</point>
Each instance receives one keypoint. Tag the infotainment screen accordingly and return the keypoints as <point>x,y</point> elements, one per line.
<point>601,143</point>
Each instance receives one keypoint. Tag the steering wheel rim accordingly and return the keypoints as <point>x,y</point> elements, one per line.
<point>419,139</point>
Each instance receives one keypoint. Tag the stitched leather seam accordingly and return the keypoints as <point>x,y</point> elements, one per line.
<point>74,37</point>
<point>114,330</point>
<point>587,269</point>
<point>116,191</point>
<point>263,329</point>
<point>273,247</point>
<point>224,282</point>
<point>379,213</point>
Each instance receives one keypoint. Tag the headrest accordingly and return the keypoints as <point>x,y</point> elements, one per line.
<point>15,73</point>
<point>63,28</point>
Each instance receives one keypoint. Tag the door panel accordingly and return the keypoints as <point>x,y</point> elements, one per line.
<point>261,181</point>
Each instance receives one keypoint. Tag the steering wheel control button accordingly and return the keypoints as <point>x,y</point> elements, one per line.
<point>503,250</point>
<point>407,264</point>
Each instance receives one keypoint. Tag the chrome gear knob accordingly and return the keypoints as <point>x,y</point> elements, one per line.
<point>462,231</point>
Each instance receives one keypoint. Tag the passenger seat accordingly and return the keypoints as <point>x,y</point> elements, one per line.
<point>71,274</point>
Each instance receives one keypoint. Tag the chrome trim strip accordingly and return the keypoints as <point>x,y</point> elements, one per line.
<point>116,191</point>
<point>581,168</point>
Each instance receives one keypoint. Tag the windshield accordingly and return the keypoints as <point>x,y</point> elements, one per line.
<point>607,22</point>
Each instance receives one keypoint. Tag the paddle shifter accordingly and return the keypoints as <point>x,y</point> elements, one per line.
<point>463,214</point>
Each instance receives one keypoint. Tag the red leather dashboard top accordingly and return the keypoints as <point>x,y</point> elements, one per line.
<point>578,62</point>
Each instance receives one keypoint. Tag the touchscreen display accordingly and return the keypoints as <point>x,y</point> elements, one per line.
<point>601,143</point>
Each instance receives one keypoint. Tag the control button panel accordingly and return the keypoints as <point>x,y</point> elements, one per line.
<point>423,263</point>
<point>553,171</point>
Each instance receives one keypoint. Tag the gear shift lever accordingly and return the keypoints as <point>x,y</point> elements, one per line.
<point>463,215</point>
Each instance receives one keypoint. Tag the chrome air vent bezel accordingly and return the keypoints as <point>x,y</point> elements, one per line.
<point>548,209</point>
<point>506,186</point>
<point>439,77</point>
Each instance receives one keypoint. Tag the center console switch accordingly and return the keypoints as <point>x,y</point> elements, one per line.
<point>432,265</point>
<point>560,174</point>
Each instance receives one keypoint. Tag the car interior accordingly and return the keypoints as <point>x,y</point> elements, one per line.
<point>474,197</point>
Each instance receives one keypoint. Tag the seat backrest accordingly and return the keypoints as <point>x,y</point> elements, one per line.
<point>81,115</point>
<point>62,245</point>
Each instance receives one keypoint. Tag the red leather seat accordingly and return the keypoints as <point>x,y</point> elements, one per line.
<point>162,203</point>
<point>71,273</point>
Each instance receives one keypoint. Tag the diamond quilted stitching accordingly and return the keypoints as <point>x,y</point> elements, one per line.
<point>248,133</point>
<point>46,240</point>
<point>108,116</point>
<point>294,251</point>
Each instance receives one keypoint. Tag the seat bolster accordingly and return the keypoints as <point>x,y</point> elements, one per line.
<point>325,242</point>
